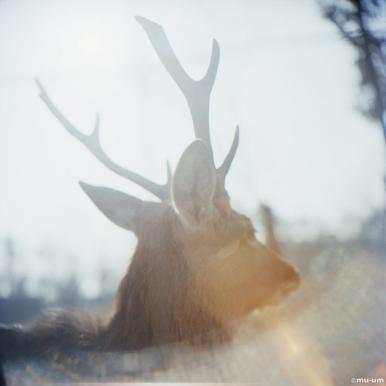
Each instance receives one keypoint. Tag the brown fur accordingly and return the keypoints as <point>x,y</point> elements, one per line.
<point>176,289</point>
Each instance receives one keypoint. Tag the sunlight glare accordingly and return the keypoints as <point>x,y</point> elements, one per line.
<point>90,45</point>
<point>304,362</point>
<point>95,42</point>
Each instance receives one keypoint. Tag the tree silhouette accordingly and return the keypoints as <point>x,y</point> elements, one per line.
<point>360,23</point>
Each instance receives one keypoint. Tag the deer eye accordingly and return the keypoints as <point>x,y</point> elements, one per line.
<point>249,235</point>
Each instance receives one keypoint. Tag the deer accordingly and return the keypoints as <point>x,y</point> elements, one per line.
<point>198,269</point>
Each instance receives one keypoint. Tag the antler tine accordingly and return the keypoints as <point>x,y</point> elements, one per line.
<point>223,170</point>
<point>197,93</point>
<point>92,143</point>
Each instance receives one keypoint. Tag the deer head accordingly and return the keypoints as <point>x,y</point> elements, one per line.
<point>197,265</point>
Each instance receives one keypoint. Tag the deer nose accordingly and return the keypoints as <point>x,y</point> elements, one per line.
<point>292,284</point>
<point>293,280</point>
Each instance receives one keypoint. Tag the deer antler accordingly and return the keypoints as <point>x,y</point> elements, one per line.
<point>92,143</point>
<point>196,92</point>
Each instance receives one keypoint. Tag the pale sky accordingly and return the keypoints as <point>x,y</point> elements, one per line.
<point>285,76</point>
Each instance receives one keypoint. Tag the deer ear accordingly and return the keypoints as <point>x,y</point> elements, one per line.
<point>194,183</point>
<point>122,209</point>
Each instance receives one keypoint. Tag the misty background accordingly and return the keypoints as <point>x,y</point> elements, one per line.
<point>285,76</point>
